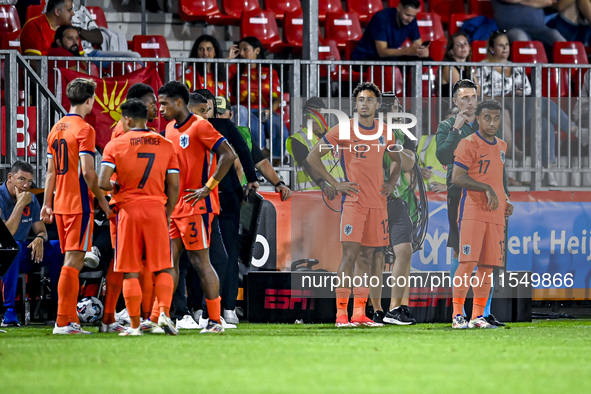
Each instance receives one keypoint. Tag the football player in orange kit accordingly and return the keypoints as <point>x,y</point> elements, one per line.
<point>364,217</point>
<point>195,141</point>
<point>70,172</point>
<point>479,170</point>
<point>144,162</point>
<point>114,280</point>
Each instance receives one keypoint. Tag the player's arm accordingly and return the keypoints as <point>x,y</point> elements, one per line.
<point>104,181</point>
<point>89,174</point>
<point>269,173</point>
<point>47,209</point>
<point>315,160</point>
<point>460,178</point>
<point>509,208</point>
<point>36,245</point>
<point>172,192</point>
<point>395,171</point>
<point>226,157</point>
<point>408,160</point>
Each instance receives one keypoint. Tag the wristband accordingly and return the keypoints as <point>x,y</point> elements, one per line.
<point>456,130</point>
<point>280,183</point>
<point>212,183</point>
<point>42,237</point>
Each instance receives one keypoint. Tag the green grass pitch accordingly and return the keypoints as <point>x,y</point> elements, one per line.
<point>538,357</point>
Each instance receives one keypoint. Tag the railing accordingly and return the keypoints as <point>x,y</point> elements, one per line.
<point>418,85</point>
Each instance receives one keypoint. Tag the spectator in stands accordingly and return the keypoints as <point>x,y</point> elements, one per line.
<point>524,21</point>
<point>573,20</point>
<point>506,81</point>
<point>207,47</point>
<point>21,213</point>
<point>387,30</point>
<point>457,50</point>
<point>261,108</point>
<point>38,33</point>
<point>109,43</point>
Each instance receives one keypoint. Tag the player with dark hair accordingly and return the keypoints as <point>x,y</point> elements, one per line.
<point>479,169</point>
<point>195,140</point>
<point>144,162</point>
<point>449,134</point>
<point>70,172</point>
<point>364,215</point>
<point>114,280</point>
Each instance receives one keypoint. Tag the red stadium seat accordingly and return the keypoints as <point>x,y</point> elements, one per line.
<point>457,20</point>
<point>429,78</point>
<point>98,15</point>
<point>343,27</point>
<point>365,9</point>
<point>9,22</point>
<point>204,10</point>
<point>385,82</point>
<point>293,28</point>
<point>152,46</point>
<point>394,3</point>
<point>262,24</point>
<point>10,41</point>
<point>329,50</point>
<point>445,8</point>
<point>34,10</point>
<point>326,6</point>
<point>437,49</point>
<point>481,7</point>
<point>533,52</point>
<point>479,49</point>
<point>235,8</point>
<point>281,7</point>
<point>430,26</point>
<point>571,52</point>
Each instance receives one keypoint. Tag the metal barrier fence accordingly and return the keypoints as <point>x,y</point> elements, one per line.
<point>419,85</point>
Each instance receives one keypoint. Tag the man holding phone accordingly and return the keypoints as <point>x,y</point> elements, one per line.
<point>387,30</point>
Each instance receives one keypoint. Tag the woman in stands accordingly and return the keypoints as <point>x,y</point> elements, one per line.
<point>211,76</point>
<point>458,50</point>
<point>264,103</point>
<point>509,81</point>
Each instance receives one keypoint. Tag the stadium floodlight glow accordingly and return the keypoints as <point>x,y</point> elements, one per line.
<point>394,122</point>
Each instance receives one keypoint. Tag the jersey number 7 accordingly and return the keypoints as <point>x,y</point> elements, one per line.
<point>151,157</point>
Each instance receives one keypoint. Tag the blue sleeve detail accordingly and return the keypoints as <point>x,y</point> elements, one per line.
<point>217,144</point>
<point>461,165</point>
<point>108,164</point>
<point>86,152</point>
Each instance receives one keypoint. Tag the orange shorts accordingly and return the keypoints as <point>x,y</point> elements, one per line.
<point>195,230</point>
<point>75,231</point>
<point>482,242</point>
<point>113,231</point>
<point>142,229</point>
<point>368,226</point>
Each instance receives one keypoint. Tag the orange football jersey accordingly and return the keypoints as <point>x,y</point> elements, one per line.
<point>141,159</point>
<point>195,140</point>
<point>484,162</point>
<point>69,139</point>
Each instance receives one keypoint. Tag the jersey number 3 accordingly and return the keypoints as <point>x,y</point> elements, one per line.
<point>151,157</point>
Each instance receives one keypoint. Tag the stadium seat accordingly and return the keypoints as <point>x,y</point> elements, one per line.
<point>456,22</point>
<point>262,24</point>
<point>445,8</point>
<point>394,3</point>
<point>9,22</point>
<point>385,83</point>
<point>437,49</point>
<point>429,78</point>
<point>479,49</point>
<point>329,50</point>
<point>365,9</point>
<point>34,10</point>
<point>293,28</point>
<point>98,15</point>
<point>152,46</point>
<point>533,52</point>
<point>204,10</point>
<point>343,27</point>
<point>481,7</point>
<point>11,41</point>
<point>430,26</point>
<point>326,6</point>
<point>235,8</point>
<point>571,52</point>
<point>281,7</point>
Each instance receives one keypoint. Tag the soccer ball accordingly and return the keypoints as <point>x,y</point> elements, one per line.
<point>89,309</point>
